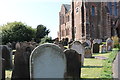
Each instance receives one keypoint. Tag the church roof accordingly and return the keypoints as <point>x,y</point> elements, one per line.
<point>67,7</point>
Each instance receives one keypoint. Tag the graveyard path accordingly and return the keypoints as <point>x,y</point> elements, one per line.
<point>116,67</point>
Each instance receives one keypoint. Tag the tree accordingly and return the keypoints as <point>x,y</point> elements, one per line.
<point>17,31</point>
<point>41,32</point>
<point>46,39</point>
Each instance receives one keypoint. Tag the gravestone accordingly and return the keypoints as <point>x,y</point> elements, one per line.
<point>21,60</point>
<point>47,61</point>
<point>88,53</point>
<point>99,41</point>
<point>85,44</point>
<point>109,44</point>
<point>73,64</point>
<point>77,46</point>
<point>103,48</point>
<point>0,62</point>
<point>7,56</point>
<point>95,48</point>
<point>60,45</point>
<point>89,42</point>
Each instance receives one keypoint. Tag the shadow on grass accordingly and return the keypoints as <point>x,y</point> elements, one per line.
<point>92,66</point>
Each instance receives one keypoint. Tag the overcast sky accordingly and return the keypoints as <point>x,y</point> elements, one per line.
<point>33,13</point>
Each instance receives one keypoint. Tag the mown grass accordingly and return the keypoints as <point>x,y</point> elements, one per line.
<point>92,68</point>
<point>107,65</point>
<point>97,68</point>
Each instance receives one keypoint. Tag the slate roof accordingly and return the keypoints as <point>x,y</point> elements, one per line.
<point>67,7</point>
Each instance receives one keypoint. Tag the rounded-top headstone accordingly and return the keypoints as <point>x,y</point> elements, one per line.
<point>77,46</point>
<point>47,61</point>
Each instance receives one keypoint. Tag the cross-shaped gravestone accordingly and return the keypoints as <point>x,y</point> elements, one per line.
<point>47,61</point>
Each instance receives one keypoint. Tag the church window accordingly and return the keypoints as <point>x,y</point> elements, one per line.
<point>115,8</point>
<point>77,9</point>
<point>93,11</point>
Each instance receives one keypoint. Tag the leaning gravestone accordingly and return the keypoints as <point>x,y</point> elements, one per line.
<point>73,64</point>
<point>95,48</point>
<point>77,46</point>
<point>109,44</point>
<point>47,61</point>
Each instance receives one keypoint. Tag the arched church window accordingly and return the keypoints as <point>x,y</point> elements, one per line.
<point>93,11</point>
<point>115,8</point>
<point>110,7</point>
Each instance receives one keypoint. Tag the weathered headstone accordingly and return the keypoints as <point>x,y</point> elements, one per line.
<point>89,43</point>
<point>3,61</point>
<point>7,56</point>
<point>85,44</point>
<point>102,48</point>
<point>13,45</point>
<point>21,61</point>
<point>3,68</point>
<point>99,41</point>
<point>60,45</point>
<point>47,61</point>
<point>0,62</point>
<point>95,48</point>
<point>88,53</point>
<point>77,46</point>
<point>109,44</point>
<point>73,64</point>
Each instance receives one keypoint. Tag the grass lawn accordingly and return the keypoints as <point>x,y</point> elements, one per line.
<point>92,68</point>
<point>97,68</point>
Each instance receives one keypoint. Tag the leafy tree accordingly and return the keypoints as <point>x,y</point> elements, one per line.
<point>46,39</point>
<point>41,32</point>
<point>17,31</point>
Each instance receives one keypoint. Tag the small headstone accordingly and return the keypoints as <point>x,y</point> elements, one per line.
<point>99,41</point>
<point>88,53</point>
<point>103,48</point>
<point>95,48</point>
<point>13,45</point>
<point>109,44</point>
<point>73,64</point>
<point>77,46</point>
<point>89,42</point>
<point>85,44</point>
<point>60,45</point>
<point>47,61</point>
